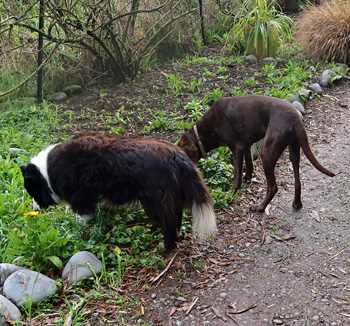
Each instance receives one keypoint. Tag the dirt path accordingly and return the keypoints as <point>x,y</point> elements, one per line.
<point>295,268</point>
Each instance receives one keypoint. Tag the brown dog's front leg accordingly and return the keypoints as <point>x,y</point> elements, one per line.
<point>271,191</point>
<point>248,164</point>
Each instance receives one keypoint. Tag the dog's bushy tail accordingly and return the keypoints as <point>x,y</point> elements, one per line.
<point>204,221</point>
<point>304,144</point>
<point>198,198</point>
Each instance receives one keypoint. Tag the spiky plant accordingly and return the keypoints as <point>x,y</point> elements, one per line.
<point>324,30</point>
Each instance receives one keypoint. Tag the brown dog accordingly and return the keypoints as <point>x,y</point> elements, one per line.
<point>238,122</point>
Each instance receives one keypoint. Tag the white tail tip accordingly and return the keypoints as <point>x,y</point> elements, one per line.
<point>204,221</point>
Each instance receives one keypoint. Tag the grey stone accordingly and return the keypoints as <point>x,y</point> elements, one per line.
<point>6,270</point>
<point>329,72</point>
<point>81,265</point>
<point>26,100</point>
<point>278,322</point>
<point>294,97</point>
<point>326,77</point>
<point>8,311</point>
<point>316,88</point>
<point>56,97</point>
<point>181,299</point>
<point>342,65</point>
<point>305,93</point>
<point>255,150</point>
<point>14,150</point>
<point>325,80</point>
<point>26,286</point>
<point>299,107</point>
<point>251,57</point>
<point>73,90</point>
<point>268,60</point>
<point>91,83</point>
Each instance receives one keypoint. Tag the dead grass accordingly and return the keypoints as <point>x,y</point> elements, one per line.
<point>324,31</point>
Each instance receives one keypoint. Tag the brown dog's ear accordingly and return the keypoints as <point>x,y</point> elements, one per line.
<point>192,152</point>
<point>189,148</point>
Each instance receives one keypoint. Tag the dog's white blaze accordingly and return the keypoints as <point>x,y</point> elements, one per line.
<point>204,221</point>
<point>40,161</point>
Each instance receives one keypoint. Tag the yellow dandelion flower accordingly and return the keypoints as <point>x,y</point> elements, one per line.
<point>117,251</point>
<point>32,213</point>
<point>15,229</point>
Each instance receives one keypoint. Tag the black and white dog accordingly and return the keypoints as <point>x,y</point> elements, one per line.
<point>111,170</point>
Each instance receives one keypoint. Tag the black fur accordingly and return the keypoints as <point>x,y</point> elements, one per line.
<point>37,186</point>
<point>114,170</point>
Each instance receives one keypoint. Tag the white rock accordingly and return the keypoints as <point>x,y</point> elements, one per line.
<point>24,286</point>
<point>81,265</point>
<point>6,270</point>
<point>8,311</point>
<point>299,107</point>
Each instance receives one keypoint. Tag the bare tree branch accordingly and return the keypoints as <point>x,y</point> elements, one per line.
<point>33,73</point>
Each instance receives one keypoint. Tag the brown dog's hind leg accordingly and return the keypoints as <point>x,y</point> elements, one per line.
<point>294,156</point>
<point>271,151</point>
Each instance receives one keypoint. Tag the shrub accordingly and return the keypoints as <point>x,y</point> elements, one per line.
<point>323,31</point>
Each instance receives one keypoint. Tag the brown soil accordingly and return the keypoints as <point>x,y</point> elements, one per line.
<point>283,267</point>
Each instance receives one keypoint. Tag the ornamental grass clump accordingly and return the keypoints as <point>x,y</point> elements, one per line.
<point>324,31</point>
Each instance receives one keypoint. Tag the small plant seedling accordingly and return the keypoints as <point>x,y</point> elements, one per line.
<point>196,85</point>
<point>198,45</point>
<point>251,83</point>
<point>175,82</point>
<point>212,96</point>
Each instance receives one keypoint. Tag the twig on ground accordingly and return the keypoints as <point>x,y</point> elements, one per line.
<point>264,231</point>
<point>345,315</point>
<point>228,315</point>
<point>243,310</point>
<point>164,271</point>
<point>339,253</point>
<point>218,313</point>
<point>192,305</point>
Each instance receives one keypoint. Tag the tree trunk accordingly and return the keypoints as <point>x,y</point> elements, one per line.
<point>39,91</point>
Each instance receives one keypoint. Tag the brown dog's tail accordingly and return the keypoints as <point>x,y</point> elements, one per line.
<point>304,144</point>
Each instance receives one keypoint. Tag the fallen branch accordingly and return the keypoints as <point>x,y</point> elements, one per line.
<point>264,232</point>
<point>192,305</point>
<point>243,310</point>
<point>228,315</point>
<point>165,270</point>
<point>219,314</point>
<point>339,253</point>
<point>345,315</point>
